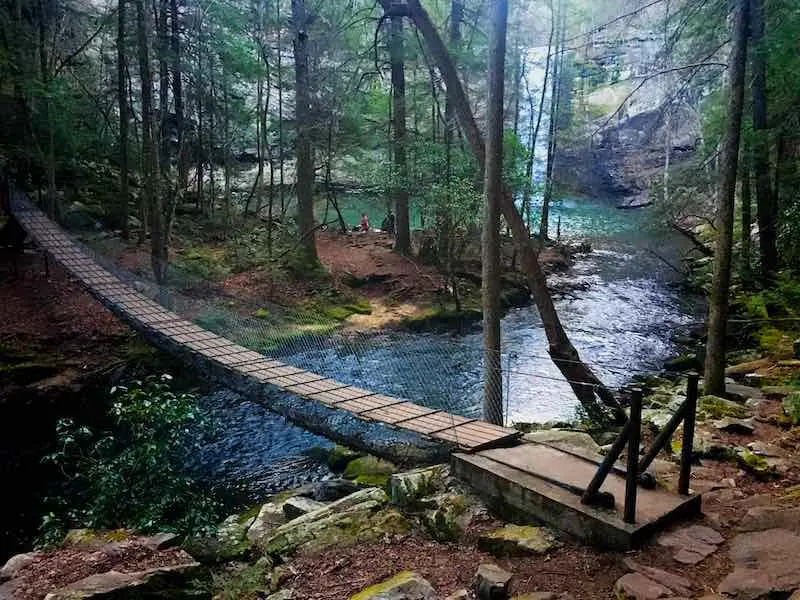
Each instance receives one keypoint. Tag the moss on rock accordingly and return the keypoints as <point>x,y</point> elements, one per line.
<point>714,407</point>
<point>371,471</point>
<point>517,539</point>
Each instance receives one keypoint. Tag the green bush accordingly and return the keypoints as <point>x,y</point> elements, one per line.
<point>131,473</point>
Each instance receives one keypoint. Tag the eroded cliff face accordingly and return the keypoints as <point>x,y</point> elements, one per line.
<point>625,160</point>
<point>629,113</point>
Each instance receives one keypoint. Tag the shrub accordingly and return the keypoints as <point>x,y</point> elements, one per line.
<point>132,473</point>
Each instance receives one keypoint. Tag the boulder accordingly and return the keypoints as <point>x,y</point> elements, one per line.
<point>368,470</point>
<point>340,456</point>
<point>733,425</point>
<point>778,391</point>
<point>300,505</point>
<point>766,564</point>
<point>747,367</point>
<point>282,595</point>
<point>638,587</point>
<point>691,544</point>
<point>156,582</point>
<point>406,585</point>
<point>270,516</point>
<point>564,439</point>
<point>407,489</point>
<point>459,595</point>
<point>15,564</point>
<point>492,582</point>
<point>656,417</point>
<point>333,489</point>
<point>762,467</point>
<point>361,516</point>
<point>517,539</point>
<point>766,450</point>
<point>161,541</point>
<point>449,515</point>
<point>232,537</point>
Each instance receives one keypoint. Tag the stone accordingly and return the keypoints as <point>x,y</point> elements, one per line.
<point>407,489</point>
<point>778,391</point>
<point>714,407</point>
<point>747,367</point>
<point>517,539</point>
<point>300,505</point>
<point>691,544</point>
<point>286,594</point>
<point>232,537</point>
<point>270,516</point>
<point>161,541</point>
<point>112,584</point>
<point>767,450</point>
<point>766,564</point>
<point>340,456</point>
<point>565,439</point>
<point>15,564</point>
<point>371,471</point>
<point>656,417</point>
<point>763,468</point>
<point>492,582</point>
<point>359,517</point>
<point>761,518</point>
<point>406,585</point>
<point>733,425</point>
<point>638,587</point>
<point>676,583</point>
<point>459,595</point>
<point>736,391</point>
<point>450,516</point>
<point>333,489</point>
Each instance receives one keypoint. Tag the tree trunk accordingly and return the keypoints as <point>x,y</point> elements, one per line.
<point>583,381</point>
<point>747,218</point>
<point>177,96</point>
<point>720,287</point>
<point>305,165</point>
<point>400,185</point>
<point>444,244</point>
<point>163,90</point>
<point>122,100</point>
<point>553,128</point>
<point>281,191</point>
<point>158,254</point>
<point>493,191</point>
<point>765,203</point>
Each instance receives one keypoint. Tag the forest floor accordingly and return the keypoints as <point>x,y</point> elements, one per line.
<point>360,270</point>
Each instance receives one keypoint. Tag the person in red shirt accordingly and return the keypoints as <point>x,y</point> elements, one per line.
<point>364,222</point>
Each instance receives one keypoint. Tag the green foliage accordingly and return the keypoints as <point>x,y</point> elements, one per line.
<point>131,473</point>
<point>791,406</point>
<point>241,582</point>
<point>205,262</point>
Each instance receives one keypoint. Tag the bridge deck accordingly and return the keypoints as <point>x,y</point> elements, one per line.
<point>150,317</point>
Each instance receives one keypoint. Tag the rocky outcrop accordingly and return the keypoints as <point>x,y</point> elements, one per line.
<point>626,157</point>
<point>355,518</point>
<point>408,489</point>
<point>691,544</point>
<point>492,583</point>
<point>158,582</point>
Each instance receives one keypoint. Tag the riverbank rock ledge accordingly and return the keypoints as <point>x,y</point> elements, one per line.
<point>406,585</point>
<point>152,583</point>
<point>359,517</point>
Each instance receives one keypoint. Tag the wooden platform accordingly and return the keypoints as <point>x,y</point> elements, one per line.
<point>512,479</point>
<point>175,334</point>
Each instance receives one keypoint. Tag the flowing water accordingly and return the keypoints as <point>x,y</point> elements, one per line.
<point>621,312</point>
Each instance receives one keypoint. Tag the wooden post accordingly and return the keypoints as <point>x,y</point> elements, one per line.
<point>632,475</point>
<point>606,465</point>
<point>688,434</point>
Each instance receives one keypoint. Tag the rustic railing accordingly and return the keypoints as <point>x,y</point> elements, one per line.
<point>630,437</point>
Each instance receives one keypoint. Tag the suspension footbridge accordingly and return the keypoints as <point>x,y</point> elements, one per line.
<point>590,497</point>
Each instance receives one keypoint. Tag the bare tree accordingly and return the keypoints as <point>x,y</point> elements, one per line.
<point>122,100</point>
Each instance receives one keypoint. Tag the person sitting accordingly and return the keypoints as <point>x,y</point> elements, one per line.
<point>364,222</point>
<point>388,224</point>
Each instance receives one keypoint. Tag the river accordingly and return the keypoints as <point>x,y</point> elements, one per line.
<point>621,312</point>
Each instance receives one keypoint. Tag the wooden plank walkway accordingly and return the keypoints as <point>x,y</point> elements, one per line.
<point>143,314</point>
